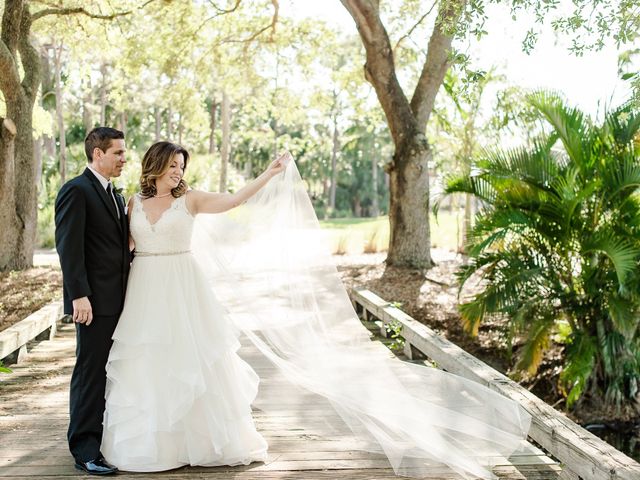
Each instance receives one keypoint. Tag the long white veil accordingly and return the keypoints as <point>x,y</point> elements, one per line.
<point>269,264</point>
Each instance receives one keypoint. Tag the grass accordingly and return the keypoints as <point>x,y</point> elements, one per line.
<point>355,235</point>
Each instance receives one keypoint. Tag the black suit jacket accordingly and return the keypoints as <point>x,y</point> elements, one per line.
<point>93,245</point>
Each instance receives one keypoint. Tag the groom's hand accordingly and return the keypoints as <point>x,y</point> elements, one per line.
<point>82,311</point>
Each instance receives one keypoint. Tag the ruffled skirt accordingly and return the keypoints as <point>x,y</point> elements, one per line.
<point>177,392</point>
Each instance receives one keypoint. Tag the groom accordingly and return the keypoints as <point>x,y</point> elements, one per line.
<point>92,242</point>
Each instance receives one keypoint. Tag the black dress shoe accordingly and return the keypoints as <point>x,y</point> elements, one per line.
<point>97,467</point>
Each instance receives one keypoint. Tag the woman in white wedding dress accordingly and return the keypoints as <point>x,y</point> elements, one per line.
<point>177,392</point>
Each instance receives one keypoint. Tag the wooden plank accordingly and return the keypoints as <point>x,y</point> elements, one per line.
<point>582,452</point>
<point>508,471</point>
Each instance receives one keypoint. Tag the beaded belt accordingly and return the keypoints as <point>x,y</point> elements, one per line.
<point>151,254</point>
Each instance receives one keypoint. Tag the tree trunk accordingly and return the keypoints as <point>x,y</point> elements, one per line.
<point>180,128</point>
<point>37,157</point>
<point>357,207</point>
<point>87,102</point>
<point>19,88</point>
<point>9,233</point>
<point>62,141</point>
<point>50,140</point>
<point>122,123</point>
<point>334,165</point>
<point>375,206</point>
<point>225,146</point>
<point>87,117</point>
<point>410,240</point>
<point>274,127</point>
<point>170,124</point>
<point>103,95</point>
<point>212,123</point>
<point>18,210</point>
<point>48,90</point>
<point>158,121</point>
<point>468,213</point>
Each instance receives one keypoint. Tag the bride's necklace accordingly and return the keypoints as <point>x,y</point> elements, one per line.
<point>160,196</point>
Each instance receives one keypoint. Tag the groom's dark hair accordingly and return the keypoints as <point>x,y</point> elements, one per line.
<point>100,137</point>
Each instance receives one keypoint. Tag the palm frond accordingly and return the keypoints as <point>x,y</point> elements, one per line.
<point>474,185</point>
<point>472,314</point>
<point>580,361</point>
<point>623,124</point>
<point>623,255</point>
<point>571,125</point>
<point>538,341</point>
<point>622,176</point>
<point>623,315</point>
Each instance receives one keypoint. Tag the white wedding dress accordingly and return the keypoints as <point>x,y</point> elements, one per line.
<point>177,392</point>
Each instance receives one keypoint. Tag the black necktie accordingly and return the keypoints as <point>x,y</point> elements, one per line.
<point>113,200</point>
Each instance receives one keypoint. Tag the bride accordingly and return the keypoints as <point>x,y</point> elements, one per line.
<point>179,394</point>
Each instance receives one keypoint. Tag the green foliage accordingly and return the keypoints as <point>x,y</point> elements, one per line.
<point>4,369</point>
<point>394,331</point>
<point>557,245</point>
<point>588,23</point>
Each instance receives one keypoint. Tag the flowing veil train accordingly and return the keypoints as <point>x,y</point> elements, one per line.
<point>268,263</point>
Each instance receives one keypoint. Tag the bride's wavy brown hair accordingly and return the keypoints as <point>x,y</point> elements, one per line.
<point>155,163</point>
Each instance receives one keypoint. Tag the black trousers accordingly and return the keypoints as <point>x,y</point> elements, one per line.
<point>86,399</point>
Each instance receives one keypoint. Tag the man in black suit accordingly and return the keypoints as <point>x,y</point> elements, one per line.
<point>92,239</point>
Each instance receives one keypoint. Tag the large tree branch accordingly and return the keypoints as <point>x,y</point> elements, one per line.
<point>29,56</point>
<point>75,11</point>
<point>272,25</point>
<point>416,25</point>
<point>438,61</point>
<point>223,11</point>
<point>219,13</point>
<point>380,69</point>
<point>11,24</point>
<point>10,78</point>
<point>362,11</point>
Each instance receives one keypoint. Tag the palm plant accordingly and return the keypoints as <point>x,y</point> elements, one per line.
<point>558,246</point>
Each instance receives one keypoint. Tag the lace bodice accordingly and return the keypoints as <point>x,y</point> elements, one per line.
<point>171,233</point>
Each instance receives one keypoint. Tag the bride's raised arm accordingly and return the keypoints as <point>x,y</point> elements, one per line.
<point>207,202</point>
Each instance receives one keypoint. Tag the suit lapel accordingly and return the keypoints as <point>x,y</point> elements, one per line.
<point>102,193</point>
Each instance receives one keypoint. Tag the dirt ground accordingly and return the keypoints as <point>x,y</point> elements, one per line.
<point>24,292</point>
<point>432,298</point>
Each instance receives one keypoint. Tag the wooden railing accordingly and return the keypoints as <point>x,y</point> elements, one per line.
<point>583,455</point>
<point>40,325</point>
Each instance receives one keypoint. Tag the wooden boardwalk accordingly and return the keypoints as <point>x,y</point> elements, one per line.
<point>33,423</point>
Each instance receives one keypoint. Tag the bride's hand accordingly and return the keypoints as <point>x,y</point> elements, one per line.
<point>279,164</point>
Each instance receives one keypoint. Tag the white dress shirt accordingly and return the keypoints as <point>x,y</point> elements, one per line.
<point>105,183</point>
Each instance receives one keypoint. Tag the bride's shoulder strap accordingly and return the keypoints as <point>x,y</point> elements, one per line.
<point>135,200</point>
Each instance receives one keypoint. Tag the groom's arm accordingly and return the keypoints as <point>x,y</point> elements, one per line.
<point>70,219</point>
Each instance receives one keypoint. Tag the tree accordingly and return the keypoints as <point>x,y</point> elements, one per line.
<point>407,119</point>
<point>19,83</point>
<point>558,244</point>
<point>409,243</point>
